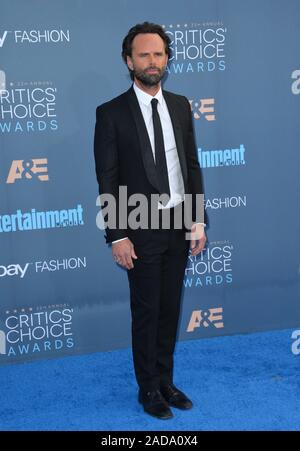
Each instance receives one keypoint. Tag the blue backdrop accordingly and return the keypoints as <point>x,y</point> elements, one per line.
<point>238,64</point>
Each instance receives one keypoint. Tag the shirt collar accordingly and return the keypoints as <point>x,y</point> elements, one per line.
<point>146,98</point>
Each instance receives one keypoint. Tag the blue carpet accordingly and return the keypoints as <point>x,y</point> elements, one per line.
<point>241,382</point>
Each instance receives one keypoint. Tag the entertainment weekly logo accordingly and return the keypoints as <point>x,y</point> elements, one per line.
<point>212,267</point>
<point>25,37</point>
<point>197,47</point>
<point>27,106</point>
<point>229,157</point>
<point>21,221</point>
<point>28,331</point>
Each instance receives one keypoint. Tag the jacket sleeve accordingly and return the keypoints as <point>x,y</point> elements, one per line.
<point>107,168</point>
<point>194,171</point>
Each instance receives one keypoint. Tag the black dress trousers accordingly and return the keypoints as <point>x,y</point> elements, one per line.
<point>155,293</point>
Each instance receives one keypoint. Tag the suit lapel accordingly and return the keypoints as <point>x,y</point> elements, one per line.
<point>143,136</point>
<point>172,107</point>
<point>144,140</point>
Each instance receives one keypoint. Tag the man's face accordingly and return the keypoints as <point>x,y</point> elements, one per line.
<point>148,60</point>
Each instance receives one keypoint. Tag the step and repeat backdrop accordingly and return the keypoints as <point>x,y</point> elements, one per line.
<point>238,64</point>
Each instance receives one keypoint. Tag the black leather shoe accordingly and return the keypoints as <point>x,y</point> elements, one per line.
<point>175,397</point>
<point>155,405</point>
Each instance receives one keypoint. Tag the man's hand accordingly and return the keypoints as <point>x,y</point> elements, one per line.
<point>123,253</point>
<point>198,238</point>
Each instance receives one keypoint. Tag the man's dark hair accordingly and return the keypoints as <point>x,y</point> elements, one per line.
<point>145,27</point>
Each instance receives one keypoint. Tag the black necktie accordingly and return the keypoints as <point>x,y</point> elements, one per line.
<point>160,154</point>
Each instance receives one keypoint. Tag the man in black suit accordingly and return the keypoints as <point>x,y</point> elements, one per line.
<point>144,141</point>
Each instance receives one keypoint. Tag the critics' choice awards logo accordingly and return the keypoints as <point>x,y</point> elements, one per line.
<point>296,84</point>
<point>212,317</point>
<point>197,47</point>
<point>34,169</point>
<point>27,106</point>
<point>28,331</point>
<point>212,267</point>
<point>43,266</point>
<point>25,37</point>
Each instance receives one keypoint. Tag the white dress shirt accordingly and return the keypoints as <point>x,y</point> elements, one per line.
<point>173,164</point>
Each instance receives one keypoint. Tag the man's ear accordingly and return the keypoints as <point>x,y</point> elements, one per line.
<point>129,62</point>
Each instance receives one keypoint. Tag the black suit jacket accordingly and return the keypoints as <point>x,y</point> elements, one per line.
<point>123,153</point>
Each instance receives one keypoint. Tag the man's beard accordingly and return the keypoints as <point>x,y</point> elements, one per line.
<point>149,79</point>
